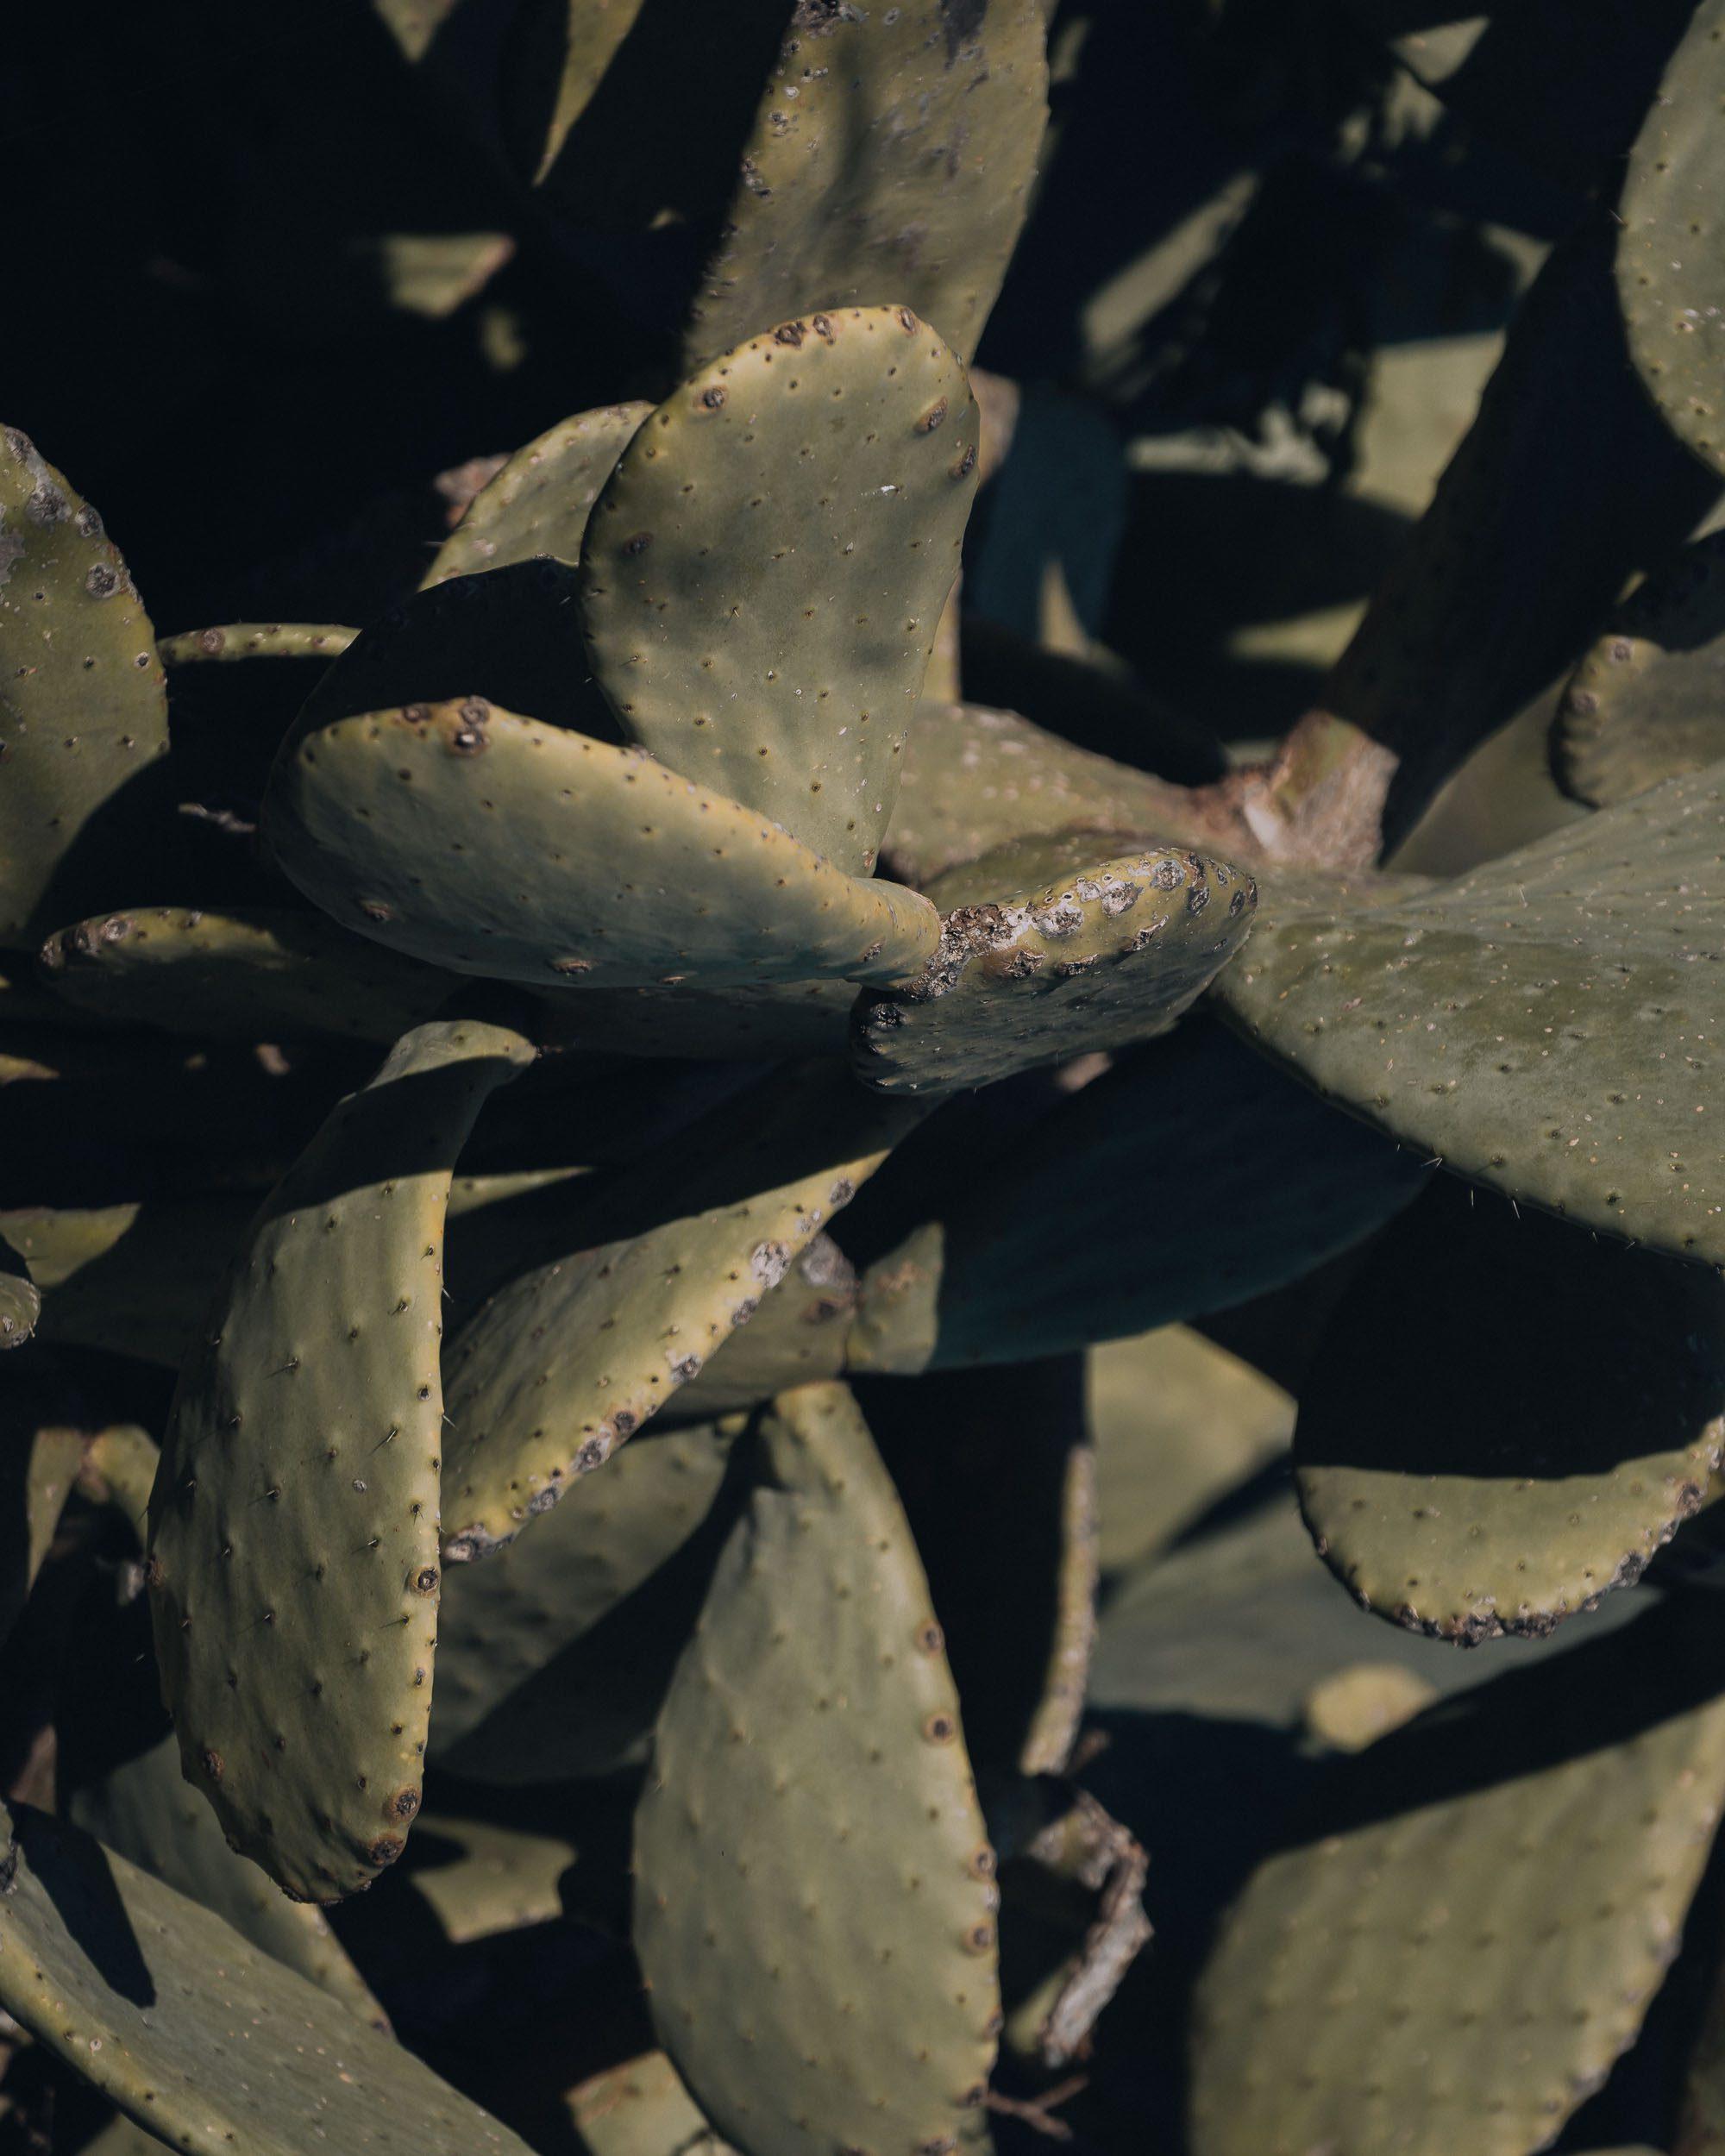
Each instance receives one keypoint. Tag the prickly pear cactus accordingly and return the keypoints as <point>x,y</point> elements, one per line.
<point>862,1219</point>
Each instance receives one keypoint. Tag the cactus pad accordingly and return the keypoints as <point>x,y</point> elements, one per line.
<point>554,1655</point>
<point>1109,955</point>
<point>810,1823</point>
<point>1567,1414</point>
<point>538,503</point>
<point>1647,702</point>
<point>890,164</point>
<point>1267,1181</point>
<point>1671,249</point>
<point>21,1299</point>
<point>246,975</point>
<point>1458,1960</point>
<point>563,861</point>
<point>566,1363</point>
<point>1544,1025</point>
<point>797,1336</point>
<point>83,712</point>
<point>764,573</point>
<point>294,1527</point>
<point>143,1810</point>
<point>976,779</point>
<point>478,1879</point>
<point>640,2108</point>
<point>153,1999</point>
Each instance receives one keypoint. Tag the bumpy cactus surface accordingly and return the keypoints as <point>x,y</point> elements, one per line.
<point>862,1209</point>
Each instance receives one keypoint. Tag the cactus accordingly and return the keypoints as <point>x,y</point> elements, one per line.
<point>836,1823</point>
<point>785,1267</point>
<point>1644,703</point>
<point>299,1475</point>
<point>146,1992</point>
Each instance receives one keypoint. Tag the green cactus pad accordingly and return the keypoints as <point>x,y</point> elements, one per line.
<point>40,1457</point>
<point>1647,702</point>
<point>236,642</point>
<point>1543,1025</point>
<point>1014,1566</point>
<point>672,1256</point>
<point>1112,953</point>
<point>1177,1422</point>
<point>1266,1181</point>
<point>136,1279</point>
<point>143,1810</point>
<point>640,2108</point>
<point>1238,1626</point>
<point>294,1527</point>
<point>976,779</point>
<point>797,1336</point>
<point>252,975</point>
<point>561,859</point>
<point>154,1999</point>
<point>749,631</point>
<point>119,1469</point>
<point>1568,1412</point>
<point>538,503</point>
<point>554,1655</point>
<point>1458,1961</point>
<point>890,164</point>
<point>1671,247</point>
<point>83,712</point>
<point>21,1299</point>
<point>478,1879</point>
<point>131,1278</point>
<point>815,1897</point>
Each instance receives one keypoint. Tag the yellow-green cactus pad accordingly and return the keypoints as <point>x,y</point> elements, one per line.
<point>294,1527</point>
<point>814,1891</point>
<point>764,573</point>
<point>493,845</point>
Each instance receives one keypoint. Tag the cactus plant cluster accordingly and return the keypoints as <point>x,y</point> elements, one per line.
<point>806,1195</point>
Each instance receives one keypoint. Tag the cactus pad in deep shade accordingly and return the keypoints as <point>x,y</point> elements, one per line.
<point>1188,1130</point>
<point>553,1656</point>
<point>1671,250</point>
<point>810,1819</point>
<point>1113,951</point>
<point>1507,1417</point>
<point>253,975</point>
<point>564,861</point>
<point>764,573</point>
<point>83,715</point>
<point>1647,702</point>
<point>1548,1024</point>
<point>1458,1958</point>
<point>890,164</point>
<point>154,1999</point>
<point>294,1527</point>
